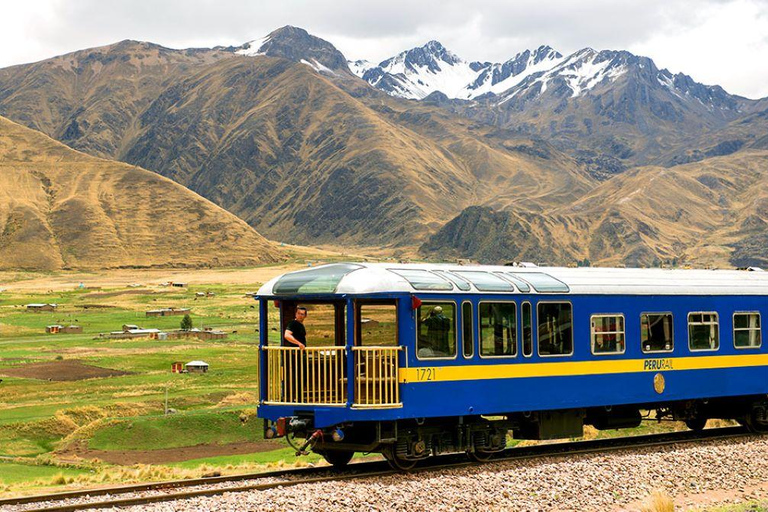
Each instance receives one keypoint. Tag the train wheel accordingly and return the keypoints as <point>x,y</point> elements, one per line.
<point>479,456</point>
<point>755,426</point>
<point>398,463</point>
<point>338,458</point>
<point>696,424</point>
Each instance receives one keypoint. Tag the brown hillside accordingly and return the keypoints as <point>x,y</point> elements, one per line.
<point>712,212</point>
<point>63,209</point>
<point>303,156</point>
<point>297,156</point>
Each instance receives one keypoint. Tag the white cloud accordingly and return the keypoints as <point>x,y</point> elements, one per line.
<point>714,41</point>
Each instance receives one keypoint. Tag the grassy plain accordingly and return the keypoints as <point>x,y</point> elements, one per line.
<point>83,432</point>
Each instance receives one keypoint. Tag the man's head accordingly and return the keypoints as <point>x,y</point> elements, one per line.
<point>438,310</point>
<point>301,313</point>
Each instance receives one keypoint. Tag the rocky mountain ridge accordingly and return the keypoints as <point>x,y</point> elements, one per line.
<point>283,133</point>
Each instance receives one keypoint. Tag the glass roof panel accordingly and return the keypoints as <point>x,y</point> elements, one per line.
<point>323,279</point>
<point>485,281</point>
<point>522,285</point>
<point>424,280</point>
<point>460,283</point>
<point>542,282</point>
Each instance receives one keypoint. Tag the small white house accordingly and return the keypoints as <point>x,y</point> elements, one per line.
<point>196,367</point>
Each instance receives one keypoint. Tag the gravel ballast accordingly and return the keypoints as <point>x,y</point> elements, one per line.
<point>610,481</point>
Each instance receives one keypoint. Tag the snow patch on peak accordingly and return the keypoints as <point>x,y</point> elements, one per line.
<point>253,48</point>
<point>318,67</point>
<point>359,67</point>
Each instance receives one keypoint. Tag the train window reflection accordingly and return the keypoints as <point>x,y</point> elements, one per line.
<point>498,329</point>
<point>436,330</point>
<point>703,331</point>
<point>527,327</point>
<point>657,332</point>
<point>468,330</point>
<point>607,334</point>
<point>746,330</point>
<point>555,328</point>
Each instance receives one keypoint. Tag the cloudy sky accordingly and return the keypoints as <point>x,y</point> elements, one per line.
<point>722,42</point>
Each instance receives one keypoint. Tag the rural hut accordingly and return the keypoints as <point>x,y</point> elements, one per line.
<point>37,308</point>
<point>168,312</point>
<point>72,329</point>
<point>197,367</point>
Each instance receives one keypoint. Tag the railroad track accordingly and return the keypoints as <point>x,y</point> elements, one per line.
<point>141,494</point>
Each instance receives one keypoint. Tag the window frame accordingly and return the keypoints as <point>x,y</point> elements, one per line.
<point>717,319</point>
<point>522,327</point>
<point>759,329</point>
<point>673,332</point>
<point>472,327</point>
<point>437,302</point>
<point>358,330</point>
<point>573,329</point>
<point>480,331</point>
<point>592,333</point>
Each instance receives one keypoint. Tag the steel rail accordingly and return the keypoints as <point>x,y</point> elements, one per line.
<point>363,470</point>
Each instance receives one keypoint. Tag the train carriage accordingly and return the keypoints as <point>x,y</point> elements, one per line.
<point>416,359</point>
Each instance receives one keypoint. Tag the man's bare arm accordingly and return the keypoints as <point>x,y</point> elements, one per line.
<point>292,339</point>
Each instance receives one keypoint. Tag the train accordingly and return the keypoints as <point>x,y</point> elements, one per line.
<point>413,360</point>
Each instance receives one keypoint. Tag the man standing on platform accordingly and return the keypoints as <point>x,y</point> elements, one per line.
<point>295,332</point>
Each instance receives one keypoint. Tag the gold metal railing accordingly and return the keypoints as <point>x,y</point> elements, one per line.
<point>376,376</point>
<point>313,376</point>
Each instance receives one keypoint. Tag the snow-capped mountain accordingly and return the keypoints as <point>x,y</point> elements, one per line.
<point>498,78</point>
<point>298,45</point>
<point>418,72</point>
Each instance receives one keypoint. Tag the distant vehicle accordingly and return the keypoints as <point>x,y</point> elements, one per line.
<point>461,355</point>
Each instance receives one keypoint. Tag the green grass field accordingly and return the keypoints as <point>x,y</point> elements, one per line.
<point>48,427</point>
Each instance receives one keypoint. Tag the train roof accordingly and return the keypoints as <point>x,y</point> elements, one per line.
<point>370,278</point>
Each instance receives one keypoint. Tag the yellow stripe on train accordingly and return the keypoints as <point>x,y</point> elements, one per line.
<point>572,368</point>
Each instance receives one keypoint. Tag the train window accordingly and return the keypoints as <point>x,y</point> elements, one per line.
<point>485,281</point>
<point>377,324</point>
<point>321,324</point>
<point>542,282</point>
<point>436,330</point>
<point>467,330</point>
<point>555,332</point>
<point>527,325</point>
<point>322,279</point>
<point>746,330</point>
<point>656,332</point>
<point>522,285</point>
<point>703,331</point>
<point>608,334</point>
<point>460,283</point>
<point>424,280</point>
<point>498,328</point>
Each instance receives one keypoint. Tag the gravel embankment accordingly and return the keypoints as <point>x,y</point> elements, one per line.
<point>613,481</point>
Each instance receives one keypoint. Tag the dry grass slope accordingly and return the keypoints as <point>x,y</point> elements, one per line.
<point>709,213</point>
<point>63,209</point>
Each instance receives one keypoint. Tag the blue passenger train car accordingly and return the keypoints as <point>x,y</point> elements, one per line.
<point>411,360</point>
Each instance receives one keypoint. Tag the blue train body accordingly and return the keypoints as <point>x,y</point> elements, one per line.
<point>624,340</point>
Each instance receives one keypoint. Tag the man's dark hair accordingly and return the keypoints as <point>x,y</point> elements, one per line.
<point>301,308</point>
